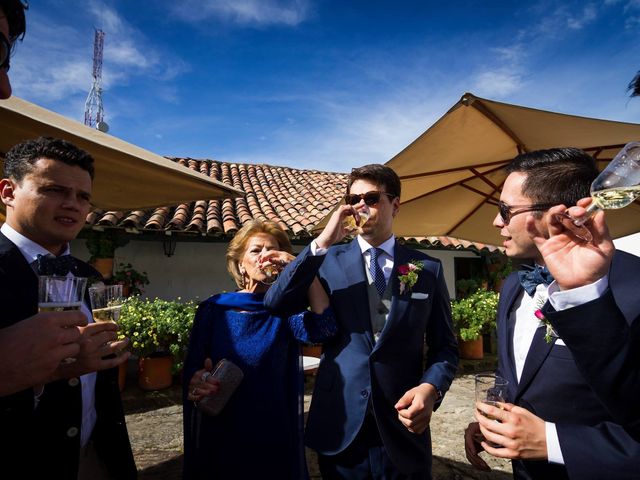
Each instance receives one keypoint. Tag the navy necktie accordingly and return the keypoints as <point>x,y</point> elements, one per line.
<point>376,272</point>
<point>58,266</point>
<point>530,277</point>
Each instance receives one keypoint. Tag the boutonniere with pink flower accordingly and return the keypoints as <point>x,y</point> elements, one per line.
<point>409,274</point>
<point>550,333</point>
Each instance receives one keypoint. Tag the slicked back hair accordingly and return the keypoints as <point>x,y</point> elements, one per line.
<point>556,175</point>
<point>381,175</point>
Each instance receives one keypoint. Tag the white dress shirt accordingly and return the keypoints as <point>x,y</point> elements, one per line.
<point>30,250</point>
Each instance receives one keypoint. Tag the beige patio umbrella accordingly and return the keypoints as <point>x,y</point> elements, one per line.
<point>452,174</point>
<point>127,177</point>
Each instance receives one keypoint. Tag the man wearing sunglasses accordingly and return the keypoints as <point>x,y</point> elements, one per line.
<point>373,400</point>
<point>12,27</point>
<point>556,422</point>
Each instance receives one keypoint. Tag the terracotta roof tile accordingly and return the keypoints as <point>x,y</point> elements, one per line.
<point>295,199</point>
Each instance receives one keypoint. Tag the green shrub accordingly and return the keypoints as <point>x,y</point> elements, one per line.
<point>157,326</point>
<point>474,315</point>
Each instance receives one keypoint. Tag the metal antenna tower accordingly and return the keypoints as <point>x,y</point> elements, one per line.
<point>93,110</point>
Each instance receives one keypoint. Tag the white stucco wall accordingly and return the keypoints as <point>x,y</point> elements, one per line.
<point>197,270</point>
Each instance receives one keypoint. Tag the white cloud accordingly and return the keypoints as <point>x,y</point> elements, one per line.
<point>498,83</point>
<point>588,15</point>
<point>245,12</point>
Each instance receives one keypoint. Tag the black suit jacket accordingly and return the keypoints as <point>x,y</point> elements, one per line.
<point>44,442</point>
<point>357,374</point>
<point>552,386</point>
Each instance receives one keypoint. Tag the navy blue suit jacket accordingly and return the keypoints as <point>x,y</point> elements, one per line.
<point>38,441</point>
<point>355,371</point>
<point>554,388</point>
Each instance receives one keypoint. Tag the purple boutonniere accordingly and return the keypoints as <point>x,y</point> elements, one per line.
<point>409,274</point>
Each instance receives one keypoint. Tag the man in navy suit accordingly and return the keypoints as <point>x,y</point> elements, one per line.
<point>71,426</point>
<point>556,423</point>
<point>374,396</point>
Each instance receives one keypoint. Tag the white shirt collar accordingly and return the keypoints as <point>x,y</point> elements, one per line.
<point>387,245</point>
<point>28,248</point>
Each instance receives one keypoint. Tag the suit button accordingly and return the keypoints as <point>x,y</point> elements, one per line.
<point>72,432</point>
<point>364,393</point>
<point>73,382</point>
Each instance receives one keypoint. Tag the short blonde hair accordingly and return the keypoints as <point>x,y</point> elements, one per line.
<point>238,245</point>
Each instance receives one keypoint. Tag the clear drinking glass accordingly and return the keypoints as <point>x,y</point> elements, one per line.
<point>350,222</point>
<point>59,294</point>
<point>106,302</point>
<point>492,390</point>
<point>616,187</point>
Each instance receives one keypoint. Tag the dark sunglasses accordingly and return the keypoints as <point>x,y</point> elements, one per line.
<point>370,198</point>
<point>5,52</point>
<point>506,214</point>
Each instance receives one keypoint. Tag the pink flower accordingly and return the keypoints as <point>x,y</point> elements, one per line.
<point>412,267</point>
<point>404,269</point>
<point>539,315</point>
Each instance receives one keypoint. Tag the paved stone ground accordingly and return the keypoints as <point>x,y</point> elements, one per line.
<point>154,420</point>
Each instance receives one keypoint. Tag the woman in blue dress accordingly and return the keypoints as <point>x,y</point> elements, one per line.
<point>259,432</point>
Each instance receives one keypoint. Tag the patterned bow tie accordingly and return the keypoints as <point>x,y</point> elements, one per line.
<point>530,277</point>
<point>59,266</point>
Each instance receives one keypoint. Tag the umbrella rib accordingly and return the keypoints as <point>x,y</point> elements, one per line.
<point>484,110</point>
<point>464,219</point>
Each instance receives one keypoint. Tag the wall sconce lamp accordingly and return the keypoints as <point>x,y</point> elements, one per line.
<point>169,244</point>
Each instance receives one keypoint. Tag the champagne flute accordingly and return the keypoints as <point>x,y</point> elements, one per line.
<point>616,187</point>
<point>350,222</point>
<point>492,390</point>
<point>106,302</point>
<point>60,294</point>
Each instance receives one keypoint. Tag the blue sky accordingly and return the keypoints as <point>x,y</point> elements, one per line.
<point>322,84</point>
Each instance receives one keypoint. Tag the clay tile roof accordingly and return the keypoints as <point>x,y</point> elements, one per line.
<point>295,199</point>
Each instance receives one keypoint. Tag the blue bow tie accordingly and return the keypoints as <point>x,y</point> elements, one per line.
<point>58,266</point>
<point>530,277</point>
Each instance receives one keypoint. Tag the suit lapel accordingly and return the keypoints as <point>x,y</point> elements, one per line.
<point>624,286</point>
<point>399,303</point>
<point>538,352</point>
<point>352,266</point>
<point>510,294</point>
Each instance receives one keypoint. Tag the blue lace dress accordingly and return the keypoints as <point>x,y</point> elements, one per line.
<point>259,433</point>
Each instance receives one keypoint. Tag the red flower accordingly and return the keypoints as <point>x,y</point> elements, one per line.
<point>539,315</point>
<point>404,269</point>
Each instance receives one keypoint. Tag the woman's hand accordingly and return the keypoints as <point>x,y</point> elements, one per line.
<point>202,384</point>
<point>276,257</point>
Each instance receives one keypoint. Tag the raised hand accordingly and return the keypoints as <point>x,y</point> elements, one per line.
<point>573,262</point>
<point>336,229</point>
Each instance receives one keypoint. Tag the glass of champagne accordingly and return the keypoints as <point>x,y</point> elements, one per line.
<point>59,294</point>
<point>271,272</point>
<point>106,302</point>
<point>617,186</point>
<point>350,222</point>
<point>492,390</point>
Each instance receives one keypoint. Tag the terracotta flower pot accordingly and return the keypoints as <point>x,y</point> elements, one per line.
<point>104,266</point>
<point>154,373</point>
<point>312,350</point>
<point>471,349</point>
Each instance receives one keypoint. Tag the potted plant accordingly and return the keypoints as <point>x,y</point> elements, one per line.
<point>102,246</point>
<point>473,316</point>
<point>159,331</point>
<point>131,279</point>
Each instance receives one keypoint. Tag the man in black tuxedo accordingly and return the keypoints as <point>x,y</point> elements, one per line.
<point>30,350</point>
<point>556,422</point>
<point>72,426</point>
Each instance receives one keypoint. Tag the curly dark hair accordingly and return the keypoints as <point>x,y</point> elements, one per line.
<point>20,160</point>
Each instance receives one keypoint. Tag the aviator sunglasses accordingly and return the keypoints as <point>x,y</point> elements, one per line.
<point>506,214</point>
<point>370,198</point>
